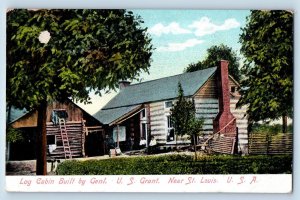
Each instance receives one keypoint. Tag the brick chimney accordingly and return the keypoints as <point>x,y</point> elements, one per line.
<point>224,116</point>
<point>123,84</point>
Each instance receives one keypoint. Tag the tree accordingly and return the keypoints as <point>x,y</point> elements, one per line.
<point>183,116</point>
<point>88,50</point>
<point>267,44</point>
<point>214,55</point>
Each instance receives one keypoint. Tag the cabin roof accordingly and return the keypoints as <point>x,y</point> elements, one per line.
<point>160,89</point>
<point>15,114</point>
<point>110,115</point>
<point>152,91</point>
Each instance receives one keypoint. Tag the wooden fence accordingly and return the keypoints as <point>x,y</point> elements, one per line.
<point>263,143</point>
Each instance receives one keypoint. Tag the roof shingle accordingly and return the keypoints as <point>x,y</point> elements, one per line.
<point>160,89</point>
<point>151,91</point>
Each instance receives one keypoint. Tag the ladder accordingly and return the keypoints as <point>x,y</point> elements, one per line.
<point>65,139</point>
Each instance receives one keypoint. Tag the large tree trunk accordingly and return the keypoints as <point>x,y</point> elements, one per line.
<point>41,154</point>
<point>284,123</point>
<point>7,142</point>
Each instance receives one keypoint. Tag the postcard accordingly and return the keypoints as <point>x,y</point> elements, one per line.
<point>145,100</point>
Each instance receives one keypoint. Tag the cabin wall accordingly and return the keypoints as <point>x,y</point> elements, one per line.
<point>27,121</point>
<point>75,128</point>
<point>158,124</point>
<point>158,121</point>
<point>207,107</point>
<point>74,113</point>
<point>132,137</point>
<point>241,123</point>
<point>75,136</point>
<point>209,90</point>
<point>132,131</point>
<point>30,119</point>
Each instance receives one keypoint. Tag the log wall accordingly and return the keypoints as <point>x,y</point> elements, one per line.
<point>75,113</point>
<point>158,121</point>
<point>75,133</point>
<point>207,107</point>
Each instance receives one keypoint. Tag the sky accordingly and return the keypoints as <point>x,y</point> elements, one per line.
<point>212,4</point>
<point>181,37</point>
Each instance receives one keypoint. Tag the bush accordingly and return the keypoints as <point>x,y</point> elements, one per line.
<point>179,164</point>
<point>270,129</point>
<point>14,135</point>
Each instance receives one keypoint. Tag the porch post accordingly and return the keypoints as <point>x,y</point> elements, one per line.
<point>118,132</point>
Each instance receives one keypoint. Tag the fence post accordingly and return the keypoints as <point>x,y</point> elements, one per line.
<point>268,142</point>
<point>236,145</point>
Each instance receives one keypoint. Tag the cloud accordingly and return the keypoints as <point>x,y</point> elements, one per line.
<point>205,27</point>
<point>202,27</point>
<point>173,28</point>
<point>180,46</point>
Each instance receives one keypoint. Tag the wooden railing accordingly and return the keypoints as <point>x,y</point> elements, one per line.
<point>220,143</point>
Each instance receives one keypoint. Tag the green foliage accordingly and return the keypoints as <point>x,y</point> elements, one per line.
<point>13,135</point>
<point>183,116</point>
<point>88,50</point>
<point>179,164</point>
<point>214,55</point>
<point>267,45</point>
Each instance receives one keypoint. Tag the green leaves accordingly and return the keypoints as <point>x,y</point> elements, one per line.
<point>13,135</point>
<point>267,44</point>
<point>183,116</point>
<point>214,55</point>
<point>88,49</point>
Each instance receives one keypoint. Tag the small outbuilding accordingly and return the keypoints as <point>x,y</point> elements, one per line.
<point>85,135</point>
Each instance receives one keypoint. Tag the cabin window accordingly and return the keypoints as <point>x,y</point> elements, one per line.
<point>119,133</point>
<point>51,143</point>
<point>58,114</point>
<point>51,139</point>
<point>170,130</point>
<point>233,89</point>
<point>143,114</point>
<point>143,130</point>
<point>168,104</point>
<point>143,124</point>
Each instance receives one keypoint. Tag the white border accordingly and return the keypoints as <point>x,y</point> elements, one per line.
<point>171,4</point>
<point>250,183</point>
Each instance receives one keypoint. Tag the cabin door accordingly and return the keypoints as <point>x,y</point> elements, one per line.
<point>94,144</point>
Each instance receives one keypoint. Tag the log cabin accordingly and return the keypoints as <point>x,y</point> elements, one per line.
<point>85,135</point>
<point>142,110</point>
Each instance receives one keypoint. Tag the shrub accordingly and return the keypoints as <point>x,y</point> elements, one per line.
<point>179,164</point>
<point>270,129</point>
<point>14,135</point>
